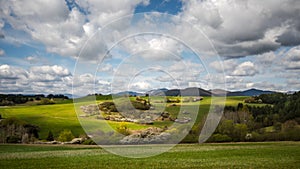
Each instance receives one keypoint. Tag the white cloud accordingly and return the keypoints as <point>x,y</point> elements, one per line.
<point>51,70</point>
<point>153,48</point>
<point>266,58</point>
<point>140,86</point>
<point>245,69</point>
<point>61,30</point>
<point>226,65</point>
<point>106,68</point>
<point>241,28</point>
<point>32,59</point>
<point>2,52</point>
<point>236,28</point>
<point>37,79</point>
<point>291,60</point>
<point>36,59</point>
<point>9,72</point>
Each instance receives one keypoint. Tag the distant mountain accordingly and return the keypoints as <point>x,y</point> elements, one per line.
<point>157,92</point>
<point>250,92</point>
<point>71,96</point>
<point>193,91</point>
<point>219,92</point>
<point>130,93</point>
<point>291,92</point>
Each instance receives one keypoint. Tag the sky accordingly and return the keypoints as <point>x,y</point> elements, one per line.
<point>89,46</point>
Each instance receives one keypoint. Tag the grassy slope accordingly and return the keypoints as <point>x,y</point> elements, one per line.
<point>58,117</point>
<point>231,155</point>
<point>48,117</point>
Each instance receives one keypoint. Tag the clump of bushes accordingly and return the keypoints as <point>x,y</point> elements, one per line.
<point>65,135</point>
<point>123,129</point>
<point>219,138</point>
<point>46,102</point>
<point>14,130</point>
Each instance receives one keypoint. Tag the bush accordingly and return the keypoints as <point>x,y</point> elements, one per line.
<point>89,142</point>
<point>288,125</point>
<point>46,102</point>
<point>219,138</point>
<point>50,136</point>
<point>240,131</point>
<point>14,130</point>
<point>292,134</point>
<point>140,106</point>
<point>13,139</point>
<point>277,126</point>
<point>65,135</point>
<point>123,129</point>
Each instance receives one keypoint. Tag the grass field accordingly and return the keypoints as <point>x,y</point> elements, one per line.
<point>229,155</point>
<point>58,117</point>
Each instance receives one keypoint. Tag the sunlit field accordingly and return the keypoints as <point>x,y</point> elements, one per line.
<point>229,155</point>
<point>58,117</point>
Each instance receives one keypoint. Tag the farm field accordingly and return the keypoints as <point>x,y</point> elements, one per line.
<point>229,155</point>
<point>58,117</point>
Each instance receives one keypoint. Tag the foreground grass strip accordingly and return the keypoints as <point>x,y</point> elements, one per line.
<point>230,155</point>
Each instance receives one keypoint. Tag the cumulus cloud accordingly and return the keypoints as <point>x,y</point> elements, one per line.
<point>241,28</point>
<point>9,72</point>
<point>61,29</point>
<point>182,73</point>
<point>236,29</point>
<point>45,79</point>
<point>291,60</point>
<point>266,58</point>
<point>140,86</point>
<point>245,69</point>
<point>226,65</point>
<point>52,70</point>
<point>153,48</point>
<point>35,59</point>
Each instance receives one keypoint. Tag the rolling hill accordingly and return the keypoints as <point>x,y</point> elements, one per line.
<point>193,91</point>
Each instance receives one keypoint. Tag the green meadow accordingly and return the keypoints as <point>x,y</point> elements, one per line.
<point>57,117</point>
<point>230,155</point>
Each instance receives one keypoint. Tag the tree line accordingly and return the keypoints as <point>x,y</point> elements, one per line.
<point>13,99</point>
<point>277,119</point>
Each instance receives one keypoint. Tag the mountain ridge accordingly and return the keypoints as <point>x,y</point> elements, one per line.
<point>195,91</point>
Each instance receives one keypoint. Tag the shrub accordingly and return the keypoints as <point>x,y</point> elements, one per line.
<point>240,131</point>
<point>89,142</point>
<point>46,102</point>
<point>219,138</point>
<point>140,105</point>
<point>123,129</point>
<point>14,130</point>
<point>277,126</point>
<point>288,125</point>
<point>13,139</point>
<point>292,134</point>
<point>50,136</point>
<point>65,135</point>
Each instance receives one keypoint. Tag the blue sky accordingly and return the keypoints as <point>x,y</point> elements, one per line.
<point>165,6</point>
<point>59,46</point>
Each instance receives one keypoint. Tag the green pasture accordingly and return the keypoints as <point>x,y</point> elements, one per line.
<point>58,117</point>
<point>230,155</point>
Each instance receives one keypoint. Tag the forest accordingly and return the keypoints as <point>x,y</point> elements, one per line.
<point>267,117</point>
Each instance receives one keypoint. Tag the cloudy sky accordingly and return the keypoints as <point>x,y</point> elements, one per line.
<point>54,46</point>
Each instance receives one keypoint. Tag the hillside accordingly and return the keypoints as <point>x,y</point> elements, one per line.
<point>193,91</point>
<point>250,92</point>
